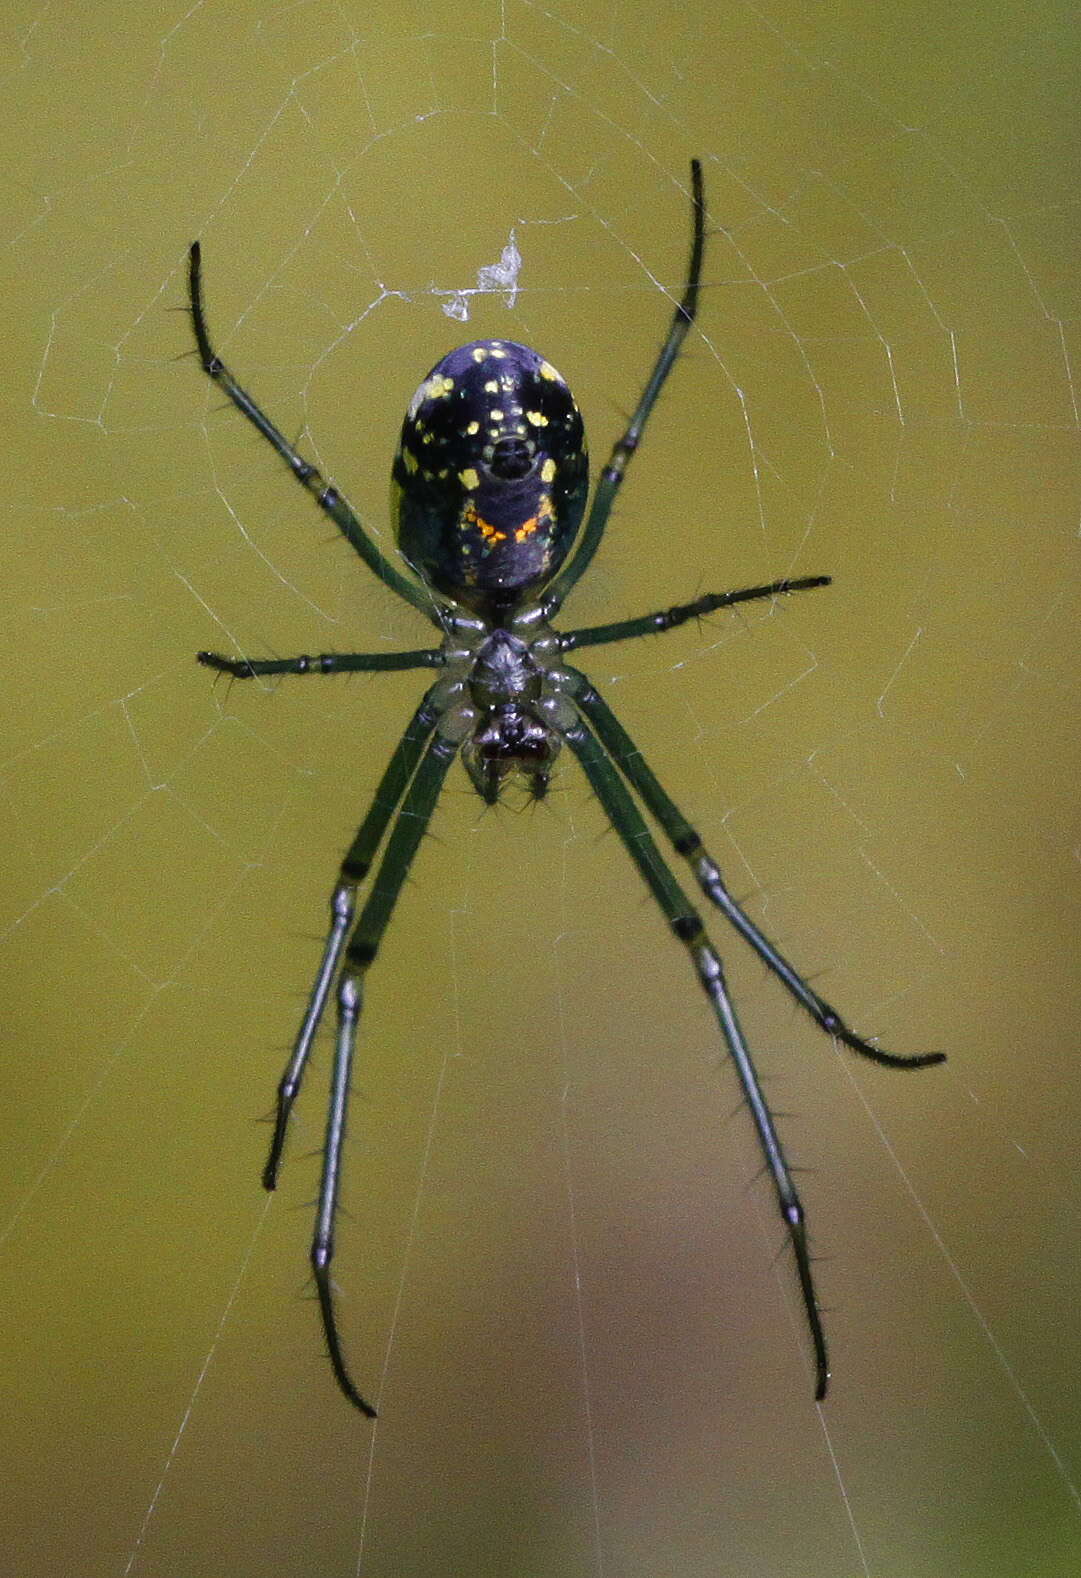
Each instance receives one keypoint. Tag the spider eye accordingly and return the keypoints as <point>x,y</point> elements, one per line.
<point>491,474</point>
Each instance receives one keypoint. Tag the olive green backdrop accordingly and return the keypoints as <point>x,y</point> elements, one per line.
<point>561,1272</point>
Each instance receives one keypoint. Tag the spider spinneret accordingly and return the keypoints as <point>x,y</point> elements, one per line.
<point>490,486</point>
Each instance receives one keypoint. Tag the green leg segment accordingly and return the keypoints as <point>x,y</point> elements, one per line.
<point>325,663</point>
<point>611,478</point>
<point>409,828</point>
<point>686,842</point>
<point>670,618</point>
<point>325,494</point>
<point>686,924</point>
<point>392,787</point>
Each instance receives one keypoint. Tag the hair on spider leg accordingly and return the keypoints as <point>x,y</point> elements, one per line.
<point>496,521</point>
<point>186,356</point>
<point>525,803</point>
<point>814,1258</point>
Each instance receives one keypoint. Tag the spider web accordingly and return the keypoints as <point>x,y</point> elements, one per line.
<point>560,1270</point>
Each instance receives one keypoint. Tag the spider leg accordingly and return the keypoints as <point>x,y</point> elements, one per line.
<point>669,618</point>
<point>686,924</point>
<point>392,787</point>
<point>686,842</point>
<point>623,451</point>
<point>325,663</point>
<point>325,494</point>
<point>409,828</point>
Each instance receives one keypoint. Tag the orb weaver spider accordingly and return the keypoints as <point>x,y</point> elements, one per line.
<point>490,484</point>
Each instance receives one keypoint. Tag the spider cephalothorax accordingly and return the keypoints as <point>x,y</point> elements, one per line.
<point>515,698</point>
<point>490,486</point>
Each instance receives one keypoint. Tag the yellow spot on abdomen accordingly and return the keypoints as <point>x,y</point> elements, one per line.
<point>438,387</point>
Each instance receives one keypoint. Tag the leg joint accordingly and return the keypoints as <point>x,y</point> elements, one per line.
<point>688,928</point>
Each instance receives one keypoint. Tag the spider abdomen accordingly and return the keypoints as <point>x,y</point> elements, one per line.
<point>491,474</point>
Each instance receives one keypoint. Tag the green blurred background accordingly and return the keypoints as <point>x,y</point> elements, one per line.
<point>560,1270</point>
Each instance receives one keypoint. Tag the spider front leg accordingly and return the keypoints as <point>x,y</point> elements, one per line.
<point>409,829</point>
<point>686,924</point>
<point>354,868</point>
<point>687,843</point>
<point>410,786</point>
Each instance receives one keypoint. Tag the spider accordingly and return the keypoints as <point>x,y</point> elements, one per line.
<point>490,485</point>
